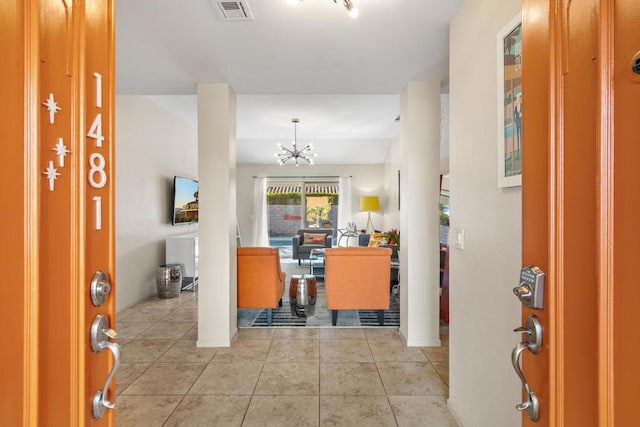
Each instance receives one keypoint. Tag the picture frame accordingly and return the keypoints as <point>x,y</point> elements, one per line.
<point>509,106</point>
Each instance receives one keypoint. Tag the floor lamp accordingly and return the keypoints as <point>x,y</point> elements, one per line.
<point>369,203</point>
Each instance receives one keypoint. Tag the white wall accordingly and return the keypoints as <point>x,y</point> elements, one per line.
<point>392,186</point>
<point>152,146</point>
<point>483,385</point>
<point>366,180</point>
<point>444,133</point>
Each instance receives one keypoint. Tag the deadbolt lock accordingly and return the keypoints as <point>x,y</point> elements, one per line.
<point>635,65</point>
<point>99,288</point>
<point>530,291</point>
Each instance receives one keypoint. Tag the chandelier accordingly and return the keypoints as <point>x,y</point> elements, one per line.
<point>287,154</point>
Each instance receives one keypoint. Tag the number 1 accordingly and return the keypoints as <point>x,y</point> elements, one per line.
<point>98,200</point>
<point>98,78</point>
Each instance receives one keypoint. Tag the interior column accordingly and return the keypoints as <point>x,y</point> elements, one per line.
<point>419,214</point>
<point>217,306</point>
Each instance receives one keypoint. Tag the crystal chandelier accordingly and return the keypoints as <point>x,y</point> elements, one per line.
<point>287,154</point>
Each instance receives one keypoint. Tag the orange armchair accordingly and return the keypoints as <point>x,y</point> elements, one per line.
<point>357,278</point>
<point>260,279</point>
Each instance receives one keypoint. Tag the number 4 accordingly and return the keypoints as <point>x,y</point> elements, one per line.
<point>95,131</point>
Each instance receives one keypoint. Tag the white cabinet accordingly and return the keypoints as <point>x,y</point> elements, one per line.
<point>184,250</point>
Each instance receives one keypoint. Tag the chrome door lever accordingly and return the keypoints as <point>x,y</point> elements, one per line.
<point>100,332</point>
<point>523,330</point>
<point>532,331</point>
<point>531,404</point>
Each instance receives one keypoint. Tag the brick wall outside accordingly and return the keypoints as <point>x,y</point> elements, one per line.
<point>284,220</point>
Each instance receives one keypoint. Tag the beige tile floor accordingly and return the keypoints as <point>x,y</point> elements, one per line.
<point>272,376</point>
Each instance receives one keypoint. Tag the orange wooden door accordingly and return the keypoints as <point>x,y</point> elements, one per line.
<point>59,173</point>
<point>578,210</point>
<point>619,248</point>
<point>18,257</point>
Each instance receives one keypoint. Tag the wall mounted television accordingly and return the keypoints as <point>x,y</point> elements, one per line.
<point>185,201</point>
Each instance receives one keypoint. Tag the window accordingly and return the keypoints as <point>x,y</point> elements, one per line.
<point>304,204</point>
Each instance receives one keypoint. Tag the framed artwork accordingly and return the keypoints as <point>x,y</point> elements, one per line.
<point>510,114</point>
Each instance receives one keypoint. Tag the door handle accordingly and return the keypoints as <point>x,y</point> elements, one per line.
<point>531,404</point>
<point>100,332</point>
<point>532,331</point>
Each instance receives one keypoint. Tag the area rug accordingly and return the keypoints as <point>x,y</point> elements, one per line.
<point>391,316</point>
<point>282,316</point>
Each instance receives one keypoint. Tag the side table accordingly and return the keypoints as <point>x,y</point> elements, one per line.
<point>316,263</point>
<point>346,233</point>
<point>395,288</point>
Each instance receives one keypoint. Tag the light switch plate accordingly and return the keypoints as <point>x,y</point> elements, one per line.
<point>458,238</point>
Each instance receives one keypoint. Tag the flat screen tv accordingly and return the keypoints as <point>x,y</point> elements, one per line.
<point>185,201</point>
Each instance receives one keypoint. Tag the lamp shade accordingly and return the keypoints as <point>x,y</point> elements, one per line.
<point>369,203</point>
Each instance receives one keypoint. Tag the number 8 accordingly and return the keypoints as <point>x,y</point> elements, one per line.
<point>97,168</point>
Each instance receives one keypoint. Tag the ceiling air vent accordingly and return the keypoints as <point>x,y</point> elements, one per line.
<point>234,10</point>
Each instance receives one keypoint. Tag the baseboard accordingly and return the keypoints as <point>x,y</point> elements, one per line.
<point>206,344</point>
<point>423,343</point>
<point>121,309</point>
<point>418,343</point>
<point>454,413</point>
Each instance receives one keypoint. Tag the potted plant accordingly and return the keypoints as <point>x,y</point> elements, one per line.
<point>393,237</point>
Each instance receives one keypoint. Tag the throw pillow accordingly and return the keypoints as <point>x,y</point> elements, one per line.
<point>313,238</point>
<point>377,239</point>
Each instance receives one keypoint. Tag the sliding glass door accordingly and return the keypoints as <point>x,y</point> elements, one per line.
<point>284,213</point>
<point>321,205</point>
<point>292,205</point>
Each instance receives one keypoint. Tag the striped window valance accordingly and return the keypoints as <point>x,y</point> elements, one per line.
<point>309,189</point>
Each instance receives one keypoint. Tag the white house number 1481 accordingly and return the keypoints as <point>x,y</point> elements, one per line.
<point>97,175</point>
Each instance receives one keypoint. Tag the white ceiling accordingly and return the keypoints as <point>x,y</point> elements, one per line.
<point>340,76</point>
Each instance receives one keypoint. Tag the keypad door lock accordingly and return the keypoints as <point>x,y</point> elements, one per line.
<point>530,291</point>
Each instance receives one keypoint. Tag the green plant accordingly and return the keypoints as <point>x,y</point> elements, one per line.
<point>317,214</point>
<point>393,236</point>
<point>294,198</point>
<point>291,198</point>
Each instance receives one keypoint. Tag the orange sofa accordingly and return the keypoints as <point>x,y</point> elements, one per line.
<point>260,279</point>
<point>357,278</point>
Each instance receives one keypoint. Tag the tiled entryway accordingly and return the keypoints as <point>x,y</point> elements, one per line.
<point>272,376</point>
